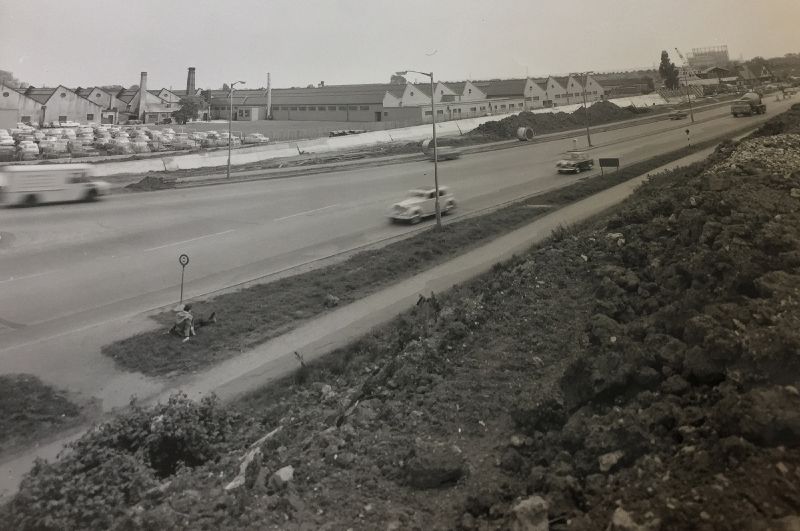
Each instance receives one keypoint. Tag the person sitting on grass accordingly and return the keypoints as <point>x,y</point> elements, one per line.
<point>185,323</point>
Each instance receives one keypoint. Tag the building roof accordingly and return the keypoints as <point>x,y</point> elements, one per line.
<point>562,80</point>
<point>457,87</point>
<point>84,92</point>
<point>502,87</point>
<point>40,94</point>
<point>620,82</point>
<point>127,95</point>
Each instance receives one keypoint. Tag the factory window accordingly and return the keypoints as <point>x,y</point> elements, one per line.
<point>558,96</point>
<point>6,94</point>
<point>312,108</point>
<point>473,109</point>
<point>440,111</point>
<point>535,98</point>
<point>301,108</point>
<point>331,107</point>
<point>483,108</point>
<point>64,95</point>
<point>26,119</point>
<point>342,108</point>
<point>97,95</point>
<point>503,106</point>
<point>469,91</point>
<point>428,113</point>
<point>364,108</point>
<point>62,118</point>
<point>385,113</point>
<point>89,117</point>
<point>412,92</point>
<point>520,105</point>
<point>292,108</point>
<point>354,107</point>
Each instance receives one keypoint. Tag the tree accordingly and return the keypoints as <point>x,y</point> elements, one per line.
<point>398,80</point>
<point>7,78</point>
<point>189,107</point>
<point>668,71</point>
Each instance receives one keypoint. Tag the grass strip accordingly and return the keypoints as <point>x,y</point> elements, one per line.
<point>255,314</point>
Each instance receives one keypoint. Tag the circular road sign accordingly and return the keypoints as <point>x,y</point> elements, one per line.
<point>183,259</point>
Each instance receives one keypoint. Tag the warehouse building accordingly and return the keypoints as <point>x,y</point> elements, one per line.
<point>16,107</point>
<point>61,104</point>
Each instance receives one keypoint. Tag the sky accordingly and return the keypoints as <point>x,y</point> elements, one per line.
<point>300,42</point>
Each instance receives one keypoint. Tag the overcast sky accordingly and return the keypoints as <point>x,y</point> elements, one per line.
<point>80,43</point>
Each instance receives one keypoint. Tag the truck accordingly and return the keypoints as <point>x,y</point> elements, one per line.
<point>575,162</point>
<point>749,104</point>
<point>49,183</point>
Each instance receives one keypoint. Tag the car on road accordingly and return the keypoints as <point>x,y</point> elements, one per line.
<point>677,115</point>
<point>575,162</point>
<point>421,203</point>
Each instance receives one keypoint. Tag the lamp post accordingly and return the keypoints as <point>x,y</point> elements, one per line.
<point>435,152</point>
<point>230,120</point>
<point>585,108</point>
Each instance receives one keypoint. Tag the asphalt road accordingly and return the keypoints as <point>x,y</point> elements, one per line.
<point>79,270</point>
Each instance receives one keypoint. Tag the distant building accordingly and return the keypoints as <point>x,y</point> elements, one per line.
<point>61,104</point>
<point>16,107</point>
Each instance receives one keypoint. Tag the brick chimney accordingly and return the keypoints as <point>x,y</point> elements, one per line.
<point>143,96</point>
<point>190,82</point>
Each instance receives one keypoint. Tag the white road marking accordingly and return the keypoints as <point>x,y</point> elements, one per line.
<point>306,212</point>
<point>189,240</point>
<point>12,279</point>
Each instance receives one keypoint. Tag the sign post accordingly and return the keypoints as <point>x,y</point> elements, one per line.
<point>688,138</point>
<point>184,261</point>
<point>608,163</point>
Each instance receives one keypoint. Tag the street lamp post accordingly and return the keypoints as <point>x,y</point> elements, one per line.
<point>585,108</point>
<point>435,152</point>
<point>230,121</point>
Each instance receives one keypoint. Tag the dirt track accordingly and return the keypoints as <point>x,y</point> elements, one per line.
<point>640,372</point>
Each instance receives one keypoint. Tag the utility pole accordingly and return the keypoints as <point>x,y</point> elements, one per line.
<point>585,106</point>
<point>230,121</point>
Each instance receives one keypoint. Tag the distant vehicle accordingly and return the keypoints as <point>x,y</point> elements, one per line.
<point>49,183</point>
<point>445,153</point>
<point>749,104</point>
<point>255,138</point>
<point>677,115</point>
<point>575,162</point>
<point>421,204</point>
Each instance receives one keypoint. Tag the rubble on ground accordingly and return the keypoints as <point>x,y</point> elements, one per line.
<point>640,373</point>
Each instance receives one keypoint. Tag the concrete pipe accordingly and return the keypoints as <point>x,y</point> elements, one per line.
<point>525,134</point>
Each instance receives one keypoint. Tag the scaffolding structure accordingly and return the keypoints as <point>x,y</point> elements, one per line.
<point>709,56</point>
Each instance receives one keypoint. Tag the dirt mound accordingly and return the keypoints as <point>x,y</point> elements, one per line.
<point>600,112</point>
<point>151,183</point>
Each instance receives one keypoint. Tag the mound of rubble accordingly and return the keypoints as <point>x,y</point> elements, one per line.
<point>641,373</point>
<point>600,112</point>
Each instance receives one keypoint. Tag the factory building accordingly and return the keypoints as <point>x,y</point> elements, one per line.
<point>61,104</point>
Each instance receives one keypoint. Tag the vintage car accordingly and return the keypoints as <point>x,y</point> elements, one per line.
<point>422,203</point>
<point>575,162</point>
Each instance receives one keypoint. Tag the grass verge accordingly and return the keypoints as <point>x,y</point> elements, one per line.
<point>32,410</point>
<point>256,314</point>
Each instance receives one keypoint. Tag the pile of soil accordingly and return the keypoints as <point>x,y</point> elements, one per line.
<point>600,112</point>
<point>151,182</point>
<point>640,373</point>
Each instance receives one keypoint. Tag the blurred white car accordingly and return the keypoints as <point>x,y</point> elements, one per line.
<point>422,203</point>
<point>255,138</point>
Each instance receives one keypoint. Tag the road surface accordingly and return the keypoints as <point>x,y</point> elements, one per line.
<point>75,276</point>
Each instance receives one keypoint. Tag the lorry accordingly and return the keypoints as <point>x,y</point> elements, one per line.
<point>575,162</point>
<point>749,104</point>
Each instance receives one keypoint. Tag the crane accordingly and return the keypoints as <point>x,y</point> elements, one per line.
<point>686,72</point>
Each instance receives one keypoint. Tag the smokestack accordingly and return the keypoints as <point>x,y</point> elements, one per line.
<point>190,82</point>
<point>143,96</point>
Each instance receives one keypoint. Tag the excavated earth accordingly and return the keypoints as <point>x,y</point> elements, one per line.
<point>637,373</point>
